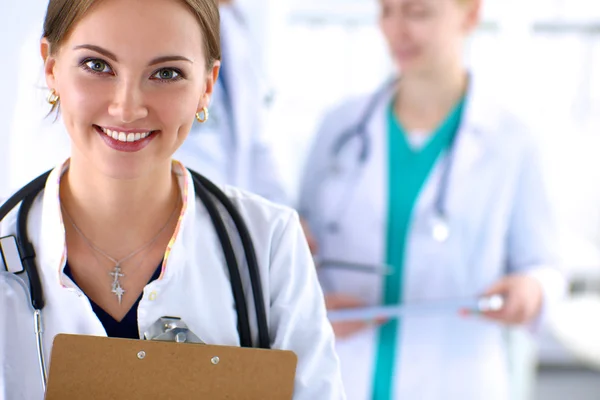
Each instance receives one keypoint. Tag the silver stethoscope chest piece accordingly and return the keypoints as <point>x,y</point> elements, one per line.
<point>440,230</point>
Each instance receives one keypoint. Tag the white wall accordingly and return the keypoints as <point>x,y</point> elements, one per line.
<point>17,18</point>
<point>22,105</point>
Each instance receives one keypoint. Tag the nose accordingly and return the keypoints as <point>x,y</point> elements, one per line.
<point>128,103</point>
<point>398,24</point>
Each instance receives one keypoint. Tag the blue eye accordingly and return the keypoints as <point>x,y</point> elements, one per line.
<point>97,66</point>
<point>167,74</point>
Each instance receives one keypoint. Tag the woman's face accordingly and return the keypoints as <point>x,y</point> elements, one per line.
<point>426,35</point>
<point>131,76</point>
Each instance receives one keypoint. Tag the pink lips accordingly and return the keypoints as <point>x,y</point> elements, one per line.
<point>127,147</point>
<point>404,55</point>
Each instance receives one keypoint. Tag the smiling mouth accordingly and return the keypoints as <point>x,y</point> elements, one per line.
<point>124,136</point>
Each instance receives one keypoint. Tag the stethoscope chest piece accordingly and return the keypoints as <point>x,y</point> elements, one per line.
<point>440,229</point>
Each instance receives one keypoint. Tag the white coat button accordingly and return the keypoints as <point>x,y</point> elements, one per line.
<point>153,295</point>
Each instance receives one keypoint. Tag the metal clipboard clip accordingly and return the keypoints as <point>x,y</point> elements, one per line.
<point>171,329</point>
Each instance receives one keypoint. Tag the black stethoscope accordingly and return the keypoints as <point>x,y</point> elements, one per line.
<point>206,191</point>
<point>439,222</point>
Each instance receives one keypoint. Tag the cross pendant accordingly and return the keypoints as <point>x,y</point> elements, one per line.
<point>116,273</point>
<point>117,289</point>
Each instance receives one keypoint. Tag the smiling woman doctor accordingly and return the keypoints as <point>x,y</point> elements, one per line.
<point>432,178</point>
<point>119,236</point>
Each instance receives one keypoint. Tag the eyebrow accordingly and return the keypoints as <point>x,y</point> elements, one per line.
<point>163,59</point>
<point>113,57</point>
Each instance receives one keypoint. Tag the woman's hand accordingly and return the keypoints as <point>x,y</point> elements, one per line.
<point>523,298</point>
<point>338,301</point>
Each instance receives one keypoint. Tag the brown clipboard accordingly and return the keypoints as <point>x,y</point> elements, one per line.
<point>94,368</point>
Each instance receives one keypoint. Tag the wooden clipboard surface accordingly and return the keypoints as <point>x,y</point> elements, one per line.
<point>94,368</point>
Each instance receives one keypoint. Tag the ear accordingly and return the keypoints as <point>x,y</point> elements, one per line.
<point>49,63</point>
<point>211,79</point>
<point>473,15</point>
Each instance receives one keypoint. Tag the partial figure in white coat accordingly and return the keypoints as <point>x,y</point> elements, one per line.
<point>232,146</point>
<point>118,235</point>
<point>432,179</point>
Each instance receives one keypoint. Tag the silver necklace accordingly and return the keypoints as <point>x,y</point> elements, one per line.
<point>117,272</point>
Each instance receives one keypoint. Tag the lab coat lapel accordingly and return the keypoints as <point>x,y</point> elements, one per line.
<point>51,253</point>
<point>426,256</point>
<point>357,199</point>
<point>472,146</point>
<point>463,159</point>
<point>175,255</point>
<point>159,298</point>
<point>66,309</point>
<point>374,181</point>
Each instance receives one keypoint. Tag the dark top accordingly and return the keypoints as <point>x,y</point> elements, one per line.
<point>128,327</point>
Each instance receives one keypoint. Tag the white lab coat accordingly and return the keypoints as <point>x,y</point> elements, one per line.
<point>243,157</point>
<point>246,152</point>
<point>194,285</point>
<point>501,222</point>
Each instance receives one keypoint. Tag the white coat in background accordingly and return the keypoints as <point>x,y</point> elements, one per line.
<point>194,285</point>
<point>236,151</point>
<point>501,222</point>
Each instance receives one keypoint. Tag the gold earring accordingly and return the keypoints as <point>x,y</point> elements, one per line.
<point>53,98</point>
<point>202,119</point>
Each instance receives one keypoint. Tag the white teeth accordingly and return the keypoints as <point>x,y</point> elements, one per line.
<point>125,137</point>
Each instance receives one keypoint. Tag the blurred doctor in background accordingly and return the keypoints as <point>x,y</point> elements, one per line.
<point>238,154</point>
<point>232,147</point>
<point>433,178</point>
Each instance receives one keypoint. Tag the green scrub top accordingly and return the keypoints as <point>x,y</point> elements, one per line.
<point>409,168</point>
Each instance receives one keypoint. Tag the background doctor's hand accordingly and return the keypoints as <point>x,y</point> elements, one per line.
<point>523,297</point>
<point>338,301</point>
